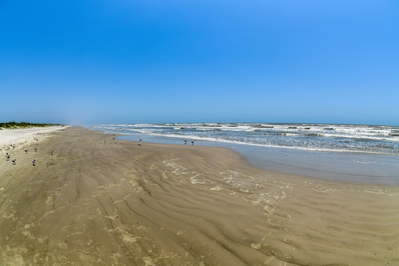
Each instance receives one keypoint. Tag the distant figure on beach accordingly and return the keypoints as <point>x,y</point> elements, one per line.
<point>52,152</point>
<point>105,141</point>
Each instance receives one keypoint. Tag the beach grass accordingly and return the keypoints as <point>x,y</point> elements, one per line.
<point>20,125</point>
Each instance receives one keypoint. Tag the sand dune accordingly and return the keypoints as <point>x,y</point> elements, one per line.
<point>11,139</point>
<point>118,203</point>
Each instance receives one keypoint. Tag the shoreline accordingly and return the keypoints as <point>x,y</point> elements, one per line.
<point>99,201</point>
<point>334,166</point>
<point>359,139</point>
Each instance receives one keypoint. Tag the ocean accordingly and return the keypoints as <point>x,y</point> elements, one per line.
<point>353,153</point>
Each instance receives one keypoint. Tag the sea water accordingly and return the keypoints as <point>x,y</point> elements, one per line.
<point>354,153</point>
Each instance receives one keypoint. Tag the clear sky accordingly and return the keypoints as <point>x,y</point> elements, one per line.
<point>149,61</point>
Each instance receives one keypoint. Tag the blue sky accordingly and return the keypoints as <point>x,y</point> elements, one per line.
<point>107,61</point>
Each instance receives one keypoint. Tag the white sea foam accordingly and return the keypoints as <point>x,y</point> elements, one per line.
<point>315,137</point>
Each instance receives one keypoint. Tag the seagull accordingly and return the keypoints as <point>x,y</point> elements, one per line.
<point>139,139</point>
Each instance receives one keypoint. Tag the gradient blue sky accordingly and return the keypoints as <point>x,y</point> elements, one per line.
<point>120,61</point>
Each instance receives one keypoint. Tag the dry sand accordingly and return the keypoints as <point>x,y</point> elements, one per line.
<point>118,203</point>
<point>11,139</point>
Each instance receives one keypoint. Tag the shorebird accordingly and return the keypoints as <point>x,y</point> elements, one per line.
<point>192,142</point>
<point>52,152</point>
<point>185,141</point>
<point>35,149</point>
<point>33,162</point>
<point>26,151</point>
<point>139,139</point>
<point>8,157</point>
<point>14,161</point>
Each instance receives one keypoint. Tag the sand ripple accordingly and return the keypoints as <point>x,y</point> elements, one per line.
<point>117,203</point>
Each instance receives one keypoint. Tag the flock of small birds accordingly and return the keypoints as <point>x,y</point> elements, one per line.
<point>14,162</point>
<point>139,139</point>
<point>185,142</point>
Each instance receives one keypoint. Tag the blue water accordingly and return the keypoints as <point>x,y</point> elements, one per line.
<point>315,137</point>
<point>353,153</point>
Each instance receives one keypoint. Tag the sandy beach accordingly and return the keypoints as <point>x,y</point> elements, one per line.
<point>100,201</point>
<point>11,139</point>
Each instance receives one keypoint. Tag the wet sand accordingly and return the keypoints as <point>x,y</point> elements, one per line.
<point>118,203</point>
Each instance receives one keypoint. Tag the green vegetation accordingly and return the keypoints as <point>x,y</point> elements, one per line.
<point>16,125</point>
